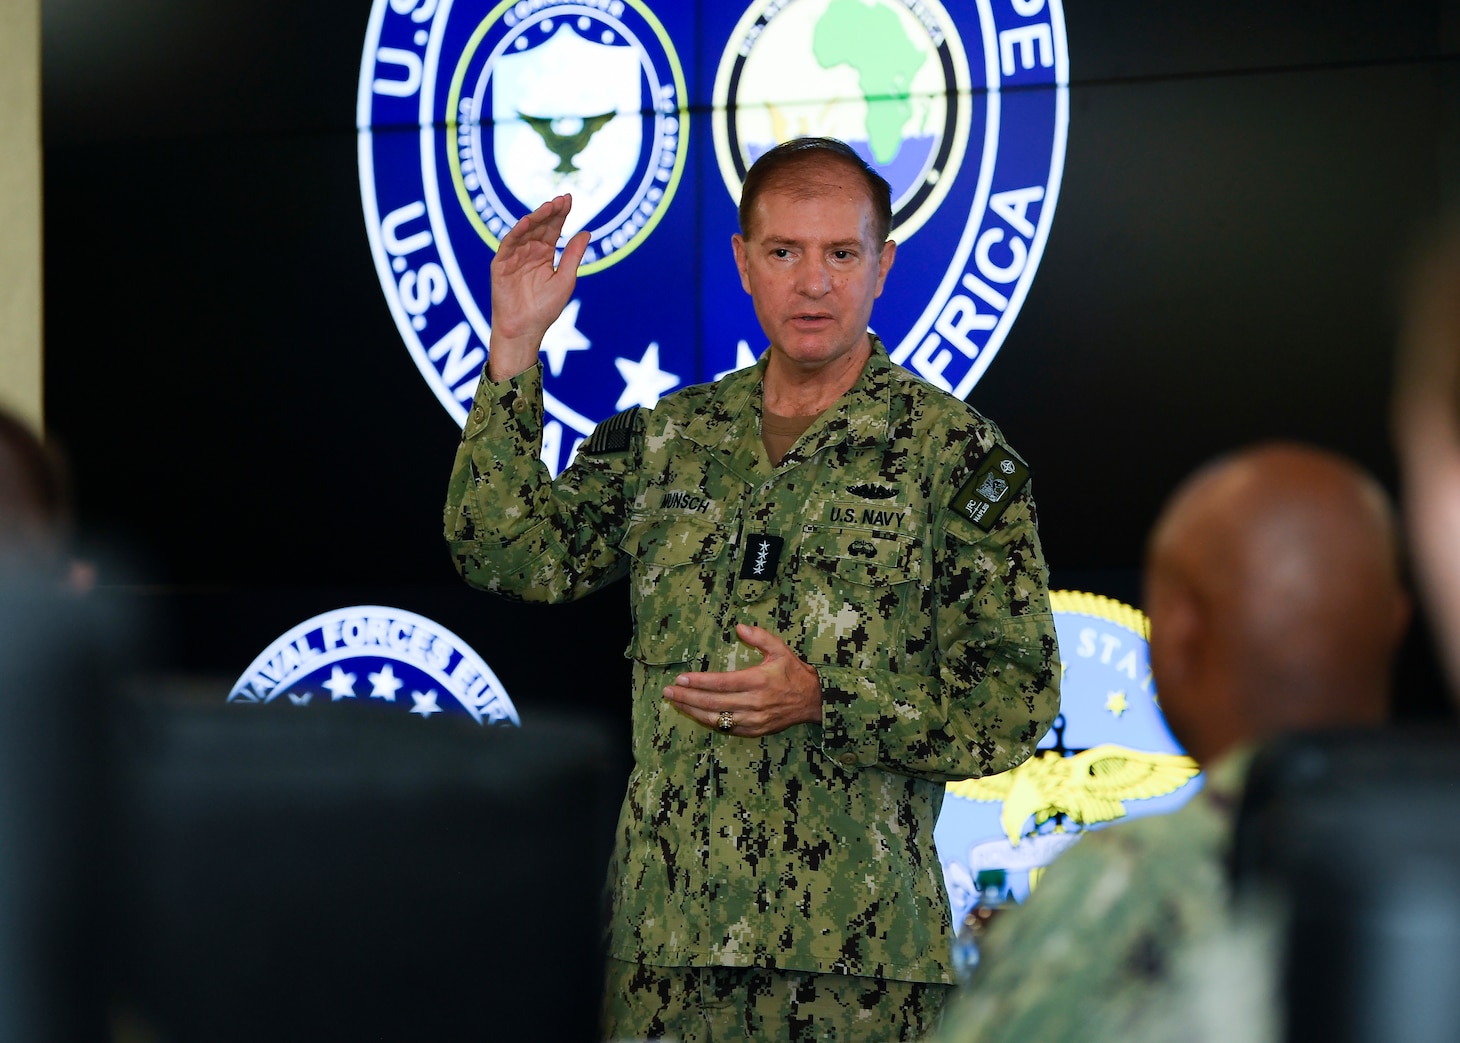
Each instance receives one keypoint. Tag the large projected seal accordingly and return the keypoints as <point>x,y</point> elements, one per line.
<point>649,113</point>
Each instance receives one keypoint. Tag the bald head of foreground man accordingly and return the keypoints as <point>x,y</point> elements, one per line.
<point>1273,588</point>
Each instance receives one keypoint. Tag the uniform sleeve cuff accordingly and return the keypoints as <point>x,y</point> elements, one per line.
<point>848,717</point>
<point>509,401</point>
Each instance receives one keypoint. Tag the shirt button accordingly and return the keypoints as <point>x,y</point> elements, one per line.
<point>848,759</point>
<point>519,404</point>
<point>478,415</point>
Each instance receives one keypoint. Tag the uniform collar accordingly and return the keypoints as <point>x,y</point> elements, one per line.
<point>1226,778</point>
<point>862,417</point>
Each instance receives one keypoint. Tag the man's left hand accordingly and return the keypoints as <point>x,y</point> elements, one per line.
<point>769,697</point>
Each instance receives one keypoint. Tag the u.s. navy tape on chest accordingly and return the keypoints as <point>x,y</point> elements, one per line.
<point>995,482</point>
<point>611,435</point>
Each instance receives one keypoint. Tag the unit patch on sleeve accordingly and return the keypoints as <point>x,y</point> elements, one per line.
<point>996,481</point>
<point>611,435</point>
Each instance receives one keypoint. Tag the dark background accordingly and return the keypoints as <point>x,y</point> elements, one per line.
<point>252,444</point>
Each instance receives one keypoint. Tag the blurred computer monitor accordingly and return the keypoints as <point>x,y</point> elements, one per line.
<point>53,679</point>
<point>315,873</point>
<point>1357,837</point>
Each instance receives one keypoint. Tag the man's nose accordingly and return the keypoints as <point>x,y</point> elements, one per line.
<point>812,279</point>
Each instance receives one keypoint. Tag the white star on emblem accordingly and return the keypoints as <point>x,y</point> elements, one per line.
<point>386,684</point>
<point>743,357</point>
<point>562,337</point>
<point>425,704</point>
<point>340,685</point>
<point>644,381</point>
<point>301,698</point>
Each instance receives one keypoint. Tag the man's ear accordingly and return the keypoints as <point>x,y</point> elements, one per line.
<point>1177,632</point>
<point>1179,640</point>
<point>742,259</point>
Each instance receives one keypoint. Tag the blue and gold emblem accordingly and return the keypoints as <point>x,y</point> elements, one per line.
<point>1108,757</point>
<point>568,98</point>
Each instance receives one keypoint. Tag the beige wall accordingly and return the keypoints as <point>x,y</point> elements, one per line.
<point>20,208</point>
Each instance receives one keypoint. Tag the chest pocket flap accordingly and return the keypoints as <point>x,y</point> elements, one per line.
<point>858,556</point>
<point>673,540</point>
<point>676,575</point>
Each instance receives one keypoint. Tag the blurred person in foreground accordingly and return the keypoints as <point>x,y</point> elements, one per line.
<point>1275,600</point>
<point>32,501</point>
<point>1426,421</point>
<point>53,782</point>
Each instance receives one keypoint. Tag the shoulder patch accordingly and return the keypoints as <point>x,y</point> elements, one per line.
<point>611,435</point>
<point>996,480</point>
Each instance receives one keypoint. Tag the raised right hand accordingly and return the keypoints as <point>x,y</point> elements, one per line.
<point>528,293</point>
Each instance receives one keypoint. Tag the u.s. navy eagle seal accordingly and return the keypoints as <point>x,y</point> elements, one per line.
<point>470,115</point>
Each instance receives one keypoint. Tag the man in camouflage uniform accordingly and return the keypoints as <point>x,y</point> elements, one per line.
<point>839,603</point>
<point>1273,588</point>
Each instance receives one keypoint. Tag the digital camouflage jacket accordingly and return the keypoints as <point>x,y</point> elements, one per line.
<point>894,548</point>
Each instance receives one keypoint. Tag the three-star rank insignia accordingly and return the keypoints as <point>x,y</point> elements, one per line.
<point>762,557</point>
<point>995,481</point>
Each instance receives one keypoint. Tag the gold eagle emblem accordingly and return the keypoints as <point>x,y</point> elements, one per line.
<point>1087,787</point>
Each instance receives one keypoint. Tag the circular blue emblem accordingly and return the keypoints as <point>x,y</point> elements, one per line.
<point>373,654</point>
<point>609,133</point>
<point>893,79</point>
<point>894,86</point>
<point>471,114</point>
